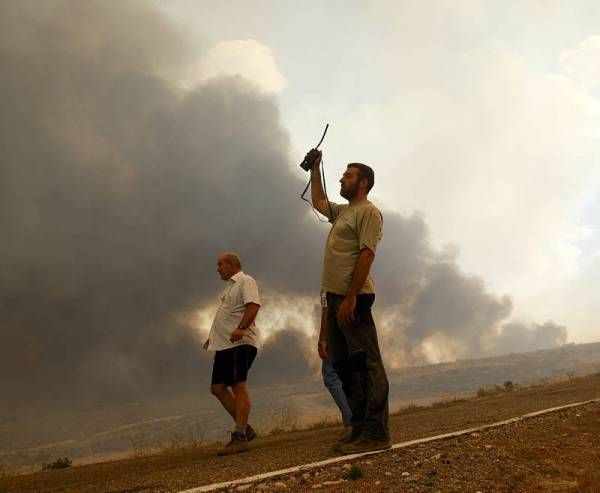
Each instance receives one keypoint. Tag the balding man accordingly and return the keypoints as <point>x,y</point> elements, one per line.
<point>234,337</point>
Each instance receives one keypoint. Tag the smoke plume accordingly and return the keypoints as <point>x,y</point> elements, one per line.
<point>117,191</point>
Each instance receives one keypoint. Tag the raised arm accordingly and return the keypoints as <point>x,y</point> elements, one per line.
<point>317,194</point>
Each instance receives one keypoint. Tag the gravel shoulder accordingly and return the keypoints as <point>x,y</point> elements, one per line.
<point>195,466</point>
<point>553,452</point>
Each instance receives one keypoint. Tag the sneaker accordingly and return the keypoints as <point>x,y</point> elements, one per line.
<point>237,444</point>
<point>250,433</point>
<point>363,445</point>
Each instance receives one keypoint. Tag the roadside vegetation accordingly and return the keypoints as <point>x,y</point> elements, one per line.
<point>61,463</point>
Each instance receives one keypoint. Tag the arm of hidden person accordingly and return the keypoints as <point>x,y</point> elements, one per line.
<point>322,345</point>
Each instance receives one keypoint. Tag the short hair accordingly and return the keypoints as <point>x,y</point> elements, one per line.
<point>364,171</point>
<point>232,258</point>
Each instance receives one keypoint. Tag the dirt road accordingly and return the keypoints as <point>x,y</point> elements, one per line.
<point>187,468</point>
<point>554,452</point>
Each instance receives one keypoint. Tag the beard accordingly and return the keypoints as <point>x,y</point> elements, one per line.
<point>350,192</point>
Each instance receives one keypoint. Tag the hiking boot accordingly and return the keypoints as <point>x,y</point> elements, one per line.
<point>250,433</point>
<point>349,434</point>
<point>363,445</point>
<point>237,444</point>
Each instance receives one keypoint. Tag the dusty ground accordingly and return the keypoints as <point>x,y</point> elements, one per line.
<point>557,452</point>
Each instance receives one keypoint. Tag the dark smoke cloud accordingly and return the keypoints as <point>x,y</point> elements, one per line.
<point>436,301</point>
<point>117,191</point>
<point>117,195</point>
<point>285,358</point>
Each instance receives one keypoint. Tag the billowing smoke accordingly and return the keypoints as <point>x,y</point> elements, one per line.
<point>516,336</point>
<point>432,311</point>
<point>118,190</point>
<point>117,194</point>
<point>285,358</point>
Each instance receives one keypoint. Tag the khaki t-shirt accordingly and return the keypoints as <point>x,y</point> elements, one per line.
<point>354,227</point>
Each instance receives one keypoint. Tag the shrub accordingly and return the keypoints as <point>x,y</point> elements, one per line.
<point>58,464</point>
<point>355,472</point>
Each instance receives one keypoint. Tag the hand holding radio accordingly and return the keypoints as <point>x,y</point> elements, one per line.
<point>311,163</point>
<point>312,159</point>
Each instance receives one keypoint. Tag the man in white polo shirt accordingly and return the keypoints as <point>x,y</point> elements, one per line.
<point>234,337</point>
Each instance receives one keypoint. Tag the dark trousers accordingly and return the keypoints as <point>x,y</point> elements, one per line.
<point>354,350</point>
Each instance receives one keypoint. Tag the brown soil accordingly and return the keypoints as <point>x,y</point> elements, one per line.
<point>555,452</point>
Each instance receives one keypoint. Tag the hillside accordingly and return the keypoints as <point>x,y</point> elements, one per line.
<point>187,467</point>
<point>105,432</point>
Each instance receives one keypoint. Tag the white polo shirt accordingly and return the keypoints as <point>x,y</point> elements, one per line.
<point>240,290</point>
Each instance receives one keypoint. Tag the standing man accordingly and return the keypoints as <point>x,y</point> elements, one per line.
<point>352,337</point>
<point>234,337</point>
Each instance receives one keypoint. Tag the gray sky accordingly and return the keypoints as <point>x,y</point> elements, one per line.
<point>482,115</point>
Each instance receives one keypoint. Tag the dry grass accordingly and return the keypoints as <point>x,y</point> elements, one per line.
<point>446,401</point>
<point>284,421</point>
<point>7,471</point>
<point>442,402</point>
<point>323,423</point>
<point>508,386</point>
<point>482,392</point>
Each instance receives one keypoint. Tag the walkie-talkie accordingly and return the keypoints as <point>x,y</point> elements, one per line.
<point>310,157</point>
<point>307,165</point>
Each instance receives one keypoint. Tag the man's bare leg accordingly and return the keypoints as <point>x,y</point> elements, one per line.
<point>237,403</point>
<point>226,397</point>
<point>242,405</point>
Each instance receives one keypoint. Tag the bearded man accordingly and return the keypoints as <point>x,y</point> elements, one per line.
<point>351,339</point>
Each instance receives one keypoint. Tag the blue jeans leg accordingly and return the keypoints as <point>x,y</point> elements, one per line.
<point>334,385</point>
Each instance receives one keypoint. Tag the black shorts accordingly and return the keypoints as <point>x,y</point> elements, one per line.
<point>231,365</point>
